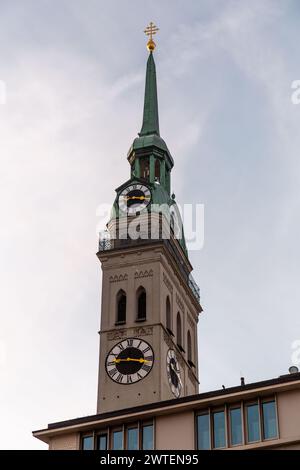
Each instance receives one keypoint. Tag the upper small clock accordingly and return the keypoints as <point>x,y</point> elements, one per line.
<point>134,198</point>
<point>173,372</point>
<point>129,361</point>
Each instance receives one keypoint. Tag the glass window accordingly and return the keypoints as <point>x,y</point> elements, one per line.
<point>88,443</point>
<point>253,423</point>
<point>189,347</point>
<point>168,313</point>
<point>203,432</point>
<point>147,438</point>
<point>132,439</point>
<point>117,440</point>
<point>179,330</point>
<point>102,442</point>
<point>121,307</point>
<point>269,420</point>
<point>141,304</point>
<point>236,435</point>
<point>219,429</point>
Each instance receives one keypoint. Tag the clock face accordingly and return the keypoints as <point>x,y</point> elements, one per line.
<point>134,198</point>
<point>173,372</point>
<point>129,361</point>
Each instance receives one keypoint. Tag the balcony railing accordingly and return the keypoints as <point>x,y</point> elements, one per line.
<point>194,287</point>
<point>107,244</point>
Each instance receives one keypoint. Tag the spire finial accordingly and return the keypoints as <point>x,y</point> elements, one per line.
<point>150,31</point>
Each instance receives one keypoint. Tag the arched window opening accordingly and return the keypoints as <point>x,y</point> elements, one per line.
<point>145,168</point>
<point>179,331</point>
<point>189,347</point>
<point>157,169</point>
<point>141,304</point>
<point>168,316</point>
<point>121,307</point>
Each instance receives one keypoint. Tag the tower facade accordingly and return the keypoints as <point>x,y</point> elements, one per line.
<point>150,303</point>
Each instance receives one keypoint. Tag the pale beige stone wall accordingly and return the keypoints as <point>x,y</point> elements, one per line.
<point>175,432</point>
<point>65,442</point>
<point>289,414</point>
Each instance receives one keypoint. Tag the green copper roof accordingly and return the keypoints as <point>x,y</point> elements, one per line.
<point>150,117</point>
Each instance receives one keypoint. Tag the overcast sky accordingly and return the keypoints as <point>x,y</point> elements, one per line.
<point>74,74</point>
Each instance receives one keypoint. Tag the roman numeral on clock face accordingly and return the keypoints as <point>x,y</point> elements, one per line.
<point>111,363</point>
<point>119,378</point>
<point>113,372</point>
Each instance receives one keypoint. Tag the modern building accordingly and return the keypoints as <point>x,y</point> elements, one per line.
<point>148,393</point>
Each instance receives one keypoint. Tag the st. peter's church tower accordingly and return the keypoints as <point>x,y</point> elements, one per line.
<point>150,303</point>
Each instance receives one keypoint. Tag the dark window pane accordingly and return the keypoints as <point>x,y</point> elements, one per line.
<point>168,313</point>
<point>141,314</point>
<point>253,423</point>
<point>132,439</point>
<point>102,442</point>
<point>88,443</point>
<point>270,421</point>
<point>145,170</point>
<point>219,429</point>
<point>117,441</point>
<point>121,307</point>
<point>157,169</point>
<point>203,432</point>
<point>148,437</point>
<point>179,331</point>
<point>236,426</point>
<point>189,346</point>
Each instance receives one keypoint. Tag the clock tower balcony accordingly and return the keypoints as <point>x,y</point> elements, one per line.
<point>171,246</point>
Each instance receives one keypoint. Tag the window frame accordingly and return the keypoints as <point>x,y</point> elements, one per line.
<point>247,404</point>
<point>142,426</point>
<point>269,400</point>
<point>115,430</point>
<point>243,406</point>
<point>169,325</point>
<point>84,436</point>
<point>205,412</point>
<point>123,428</point>
<point>121,293</point>
<point>135,425</point>
<point>235,406</point>
<point>141,290</point>
<point>214,411</point>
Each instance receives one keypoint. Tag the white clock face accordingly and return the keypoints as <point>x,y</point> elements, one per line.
<point>173,372</point>
<point>134,198</point>
<point>129,361</point>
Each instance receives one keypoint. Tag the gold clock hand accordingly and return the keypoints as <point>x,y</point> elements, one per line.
<point>141,198</point>
<point>141,360</point>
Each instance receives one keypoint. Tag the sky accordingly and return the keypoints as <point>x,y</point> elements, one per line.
<point>73,73</point>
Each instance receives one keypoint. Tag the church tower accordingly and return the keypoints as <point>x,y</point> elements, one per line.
<point>150,303</point>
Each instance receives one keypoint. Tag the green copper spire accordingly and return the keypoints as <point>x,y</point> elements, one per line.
<point>150,117</point>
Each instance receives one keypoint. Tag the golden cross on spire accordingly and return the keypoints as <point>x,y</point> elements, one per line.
<point>150,31</point>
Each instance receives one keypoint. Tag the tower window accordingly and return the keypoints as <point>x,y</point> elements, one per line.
<point>145,168</point>
<point>141,304</point>
<point>168,316</point>
<point>157,169</point>
<point>179,331</point>
<point>189,348</point>
<point>121,307</point>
